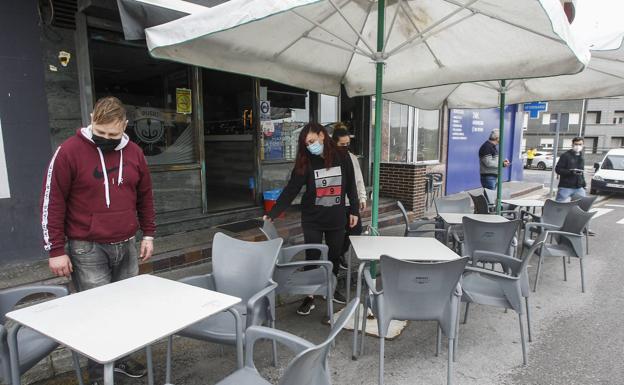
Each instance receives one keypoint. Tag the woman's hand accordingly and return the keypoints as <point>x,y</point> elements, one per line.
<point>267,218</point>
<point>353,220</point>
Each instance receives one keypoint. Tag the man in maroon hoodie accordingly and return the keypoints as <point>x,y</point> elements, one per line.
<point>96,194</point>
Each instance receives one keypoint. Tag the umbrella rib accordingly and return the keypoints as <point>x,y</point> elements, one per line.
<point>506,21</point>
<point>370,9</point>
<point>355,47</point>
<point>420,35</point>
<point>605,73</point>
<point>409,17</point>
<point>362,39</point>
<point>306,33</point>
<point>335,46</point>
<point>399,6</point>
<point>422,38</point>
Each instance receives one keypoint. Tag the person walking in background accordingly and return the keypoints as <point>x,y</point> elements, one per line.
<point>343,141</point>
<point>488,161</point>
<point>328,177</point>
<point>530,157</point>
<point>97,193</point>
<point>571,168</point>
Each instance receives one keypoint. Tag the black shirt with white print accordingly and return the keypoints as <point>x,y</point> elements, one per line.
<point>323,202</point>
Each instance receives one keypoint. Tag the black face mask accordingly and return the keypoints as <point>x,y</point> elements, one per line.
<point>104,144</point>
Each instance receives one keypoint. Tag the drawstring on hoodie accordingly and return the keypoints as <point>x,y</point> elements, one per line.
<point>119,179</point>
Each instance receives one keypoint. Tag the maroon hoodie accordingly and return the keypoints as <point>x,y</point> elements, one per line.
<point>95,196</point>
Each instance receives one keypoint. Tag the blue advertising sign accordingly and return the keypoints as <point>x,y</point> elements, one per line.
<point>273,146</point>
<point>468,130</point>
<point>535,108</point>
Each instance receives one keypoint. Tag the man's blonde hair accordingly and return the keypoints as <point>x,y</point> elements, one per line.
<point>108,110</point>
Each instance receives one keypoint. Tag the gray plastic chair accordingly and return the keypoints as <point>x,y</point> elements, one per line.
<point>415,228</point>
<point>309,367</point>
<point>457,206</point>
<point>28,347</point>
<point>416,291</point>
<point>493,288</point>
<point>481,206</point>
<point>553,215</point>
<point>290,277</point>
<point>492,237</point>
<point>568,241</point>
<point>240,269</point>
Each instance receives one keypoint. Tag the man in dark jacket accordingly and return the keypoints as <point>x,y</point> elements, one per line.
<point>570,167</point>
<point>96,194</point>
<point>488,161</point>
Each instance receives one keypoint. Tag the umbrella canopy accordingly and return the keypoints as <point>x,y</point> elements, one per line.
<point>136,15</point>
<point>319,45</point>
<point>603,77</point>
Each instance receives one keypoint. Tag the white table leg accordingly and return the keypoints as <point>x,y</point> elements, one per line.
<point>150,365</point>
<point>169,354</point>
<point>358,295</point>
<point>109,373</point>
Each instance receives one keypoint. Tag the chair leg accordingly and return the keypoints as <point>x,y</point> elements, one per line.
<point>275,343</point>
<point>438,340</point>
<point>582,275</point>
<point>537,273</point>
<point>528,315</point>
<point>466,312</point>
<point>565,272</point>
<point>456,339</point>
<point>523,340</point>
<point>76,363</point>
<point>451,355</point>
<point>587,240</point>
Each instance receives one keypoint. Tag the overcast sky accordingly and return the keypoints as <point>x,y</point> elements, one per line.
<point>597,20</point>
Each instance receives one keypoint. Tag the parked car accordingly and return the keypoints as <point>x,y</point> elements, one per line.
<point>542,161</point>
<point>609,176</point>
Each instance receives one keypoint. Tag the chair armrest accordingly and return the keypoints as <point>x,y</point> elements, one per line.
<point>546,226</point>
<point>252,303</point>
<point>288,252</point>
<point>255,333</point>
<point>491,273</point>
<point>534,216</point>
<point>12,296</point>
<point>300,264</point>
<point>456,237</point>
<point>205,281</point>
<point>490,256</point>
<point>3,332</point>
<point>563,233</point>
<point>416,232</point>
<point>414,226</point>
<point>371,283</point>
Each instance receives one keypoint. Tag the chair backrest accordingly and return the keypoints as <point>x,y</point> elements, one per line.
<point>480,204</point>
<point>418,290</point>
<point>491,195</point>
<point>242,268</point>
<point>554,212</point>
<point>459,206</point>
<point>310,366</point>
<point>8,299</point>
<point>269,230</point>
<point>585,203</point>
<point>575,222</point>
<point>486,236</point>
<point>404,213</point>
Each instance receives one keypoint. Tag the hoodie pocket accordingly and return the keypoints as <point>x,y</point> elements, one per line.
<point>113,227</point>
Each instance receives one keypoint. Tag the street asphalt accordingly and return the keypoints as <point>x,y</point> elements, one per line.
<point>578,338</point>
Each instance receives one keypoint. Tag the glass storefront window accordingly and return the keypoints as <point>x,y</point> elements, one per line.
<point>285,114</point>
<point>157,95</point>
<point>409,135</point>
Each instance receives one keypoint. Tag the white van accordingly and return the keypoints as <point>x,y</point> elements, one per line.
<point>609,176</point>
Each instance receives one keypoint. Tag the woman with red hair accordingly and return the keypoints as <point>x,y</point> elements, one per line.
<point>328,177</point>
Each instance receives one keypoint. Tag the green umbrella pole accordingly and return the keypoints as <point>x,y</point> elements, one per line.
<point>378,115</point>
<point>501,137</point>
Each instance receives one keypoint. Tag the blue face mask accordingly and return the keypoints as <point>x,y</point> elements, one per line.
<point>315,148</point>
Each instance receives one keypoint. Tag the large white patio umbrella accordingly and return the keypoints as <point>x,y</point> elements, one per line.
<point>321,44</point>
<point>603,77</point>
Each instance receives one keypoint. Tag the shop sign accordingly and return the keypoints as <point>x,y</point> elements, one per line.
<point>184,104</point>
<point>265,110</point>
<point>4,177</point>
